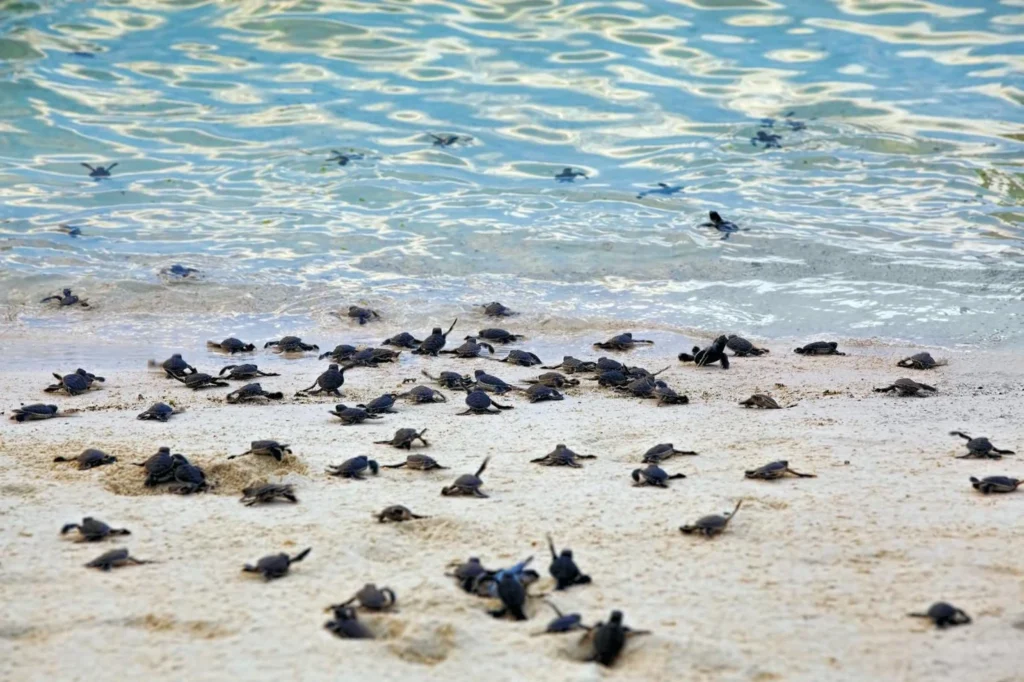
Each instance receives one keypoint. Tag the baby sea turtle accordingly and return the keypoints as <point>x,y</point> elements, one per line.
<point>663,451</point>
<point>251,392</point>
<point>433,344</point>
<point>819,348</point>
<point>523,358</point>
<point>774,470</point>
<point>354,468</point>
<point>662,188</point>
<point>906,387</point>
<point>344,159</point>
<point>622,342</point>
<point>100,171</point>
<point>512,593</point>
<point>160,467</point>
<point>743,348</point>
<point>944,615</point>
<point>403,340</point>
<point>667,396</point>
<point>498,335</point>
<point>191,478</point>
<point>352,415</point>
<point>980,448</point>
<point>611,377</point>
<point>564,569</point>
<point>346,625</point>
<point>468,573</point>
<point>179,271</point>
<point>539,393</point>
<point>424,394</point>
<point>66,298</point>
<point>276,565</point>
<point>495,309</point>
<point>710,355</point>
<point>448,139</point>
<point>341,353</point>
<point>70,230</point>
<point>91,530</point>
<point>396,513</point>
<point>90,458</point>
<point>244,372</point>
<point>920,361</point>
<point>467,484</point>
<point>268,492</point>
<point>160,412</point>
<point>34,412</point>
<point>568,174</point>
<point>561,456</point>
<point>175,366</point>
<point>115,558</point>
<point>417,462</point>
<point>479,402</point>
<point>73,384</point>
<point>571,365</point>
<point>564,622</point>
<point>452,380</point>
<point>470,348</point>
<point>606,364</point>
<point>329,381</point>
<point>404,438</point>
<point>653,475</point>
<point>371,598</point>
<point>231,345</point>
<point>766,139</point>
<point>762,401</point>
<point>553,380</point>
<point>711,525</point>
<point>200,380</point>
<point>266,448</point>
<point>608,639</point>
<point>363,315</point>
<point>489,382</point>
<point>381,404</point>
<point>291,344</point>
<point>639,388</point>
<point>716,221</point>
<point>995,484</point>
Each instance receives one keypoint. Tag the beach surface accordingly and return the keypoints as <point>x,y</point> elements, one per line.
<point>813,580</point>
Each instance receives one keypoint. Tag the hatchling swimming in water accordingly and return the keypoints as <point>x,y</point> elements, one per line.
<point>980,448</point>
<point>470,348</point>
<point>489,382</point>
<point>175,366</point>
<point>115,558</point>
<point>200,380</point>
<point>396,513</point>
<point>452,380</point>
<point>266,448</point>
<point>743,348</point>
<point>89,459</point>
<point>354,468</point>
<point>363,315</point>
<point>479,402</point>
<point>539,393</point>
<point>726,227</point>
<point>433,344</point>
<point>653,475</point>
<point>34,412</point>
<point>553,380</point>
<point>762,401</point>
<point>91,530</point>
<point>417,462</point>
<point>404,438</point>
<point>467,484</point>
<point>424,394</point>
<point>329,381</point>
<point>522,358</point>
<point>381,404</point>
<point>571,365</point>
<point>160,467</point>
<point>231,345</point>
<point>291,344</point>
<point>66,298</point>
<point>344,159</point>
<point>268,492</point>
<point>766,139</point>
<point>819,348</point>
<point>995,484</point>
<point>561,456</point>
<point>244,372</point>
<point>663,451</point>
<point>710,355</point>
<point>251,392</point>
<point>944,615</point>
<point>495,309</point>
<point>402,340</point>
<point>346,625</point>
<point>906,387</point>
<point>774,470</point>
<point>563,568</point>
<point>179,271</point>
<point>667,396</point>
<point>711,525</point>
<point>275,565</point>
<point>73,384</point>
<point>371,598</point>
<point>160,412</point>
<point>569,174</point>
<point>498,335</point>
<point>341,353</point>
<point>662,188</point>
<point>100,171</point>
<point>352,415</point>
<point>448,139</point>
<point>622,342</point>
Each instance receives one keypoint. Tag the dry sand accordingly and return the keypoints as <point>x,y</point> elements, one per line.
<point>811,582</point>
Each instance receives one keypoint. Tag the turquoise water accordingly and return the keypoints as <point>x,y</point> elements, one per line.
<point>894,212</point>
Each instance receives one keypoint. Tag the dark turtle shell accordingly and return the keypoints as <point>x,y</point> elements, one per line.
<point>540,392</point>
<point>402,340</point>
<point>158,412</point>
<point>495,309</point>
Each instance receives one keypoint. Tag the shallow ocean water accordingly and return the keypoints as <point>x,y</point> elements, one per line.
<point>892,208</point>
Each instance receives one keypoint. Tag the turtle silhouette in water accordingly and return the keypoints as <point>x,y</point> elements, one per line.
<point>268,492</point>
<point>498,335</point>
<point>711,525</point>
<point>329,381</point>
<point>563,568</point>
<point>448,139</point>
<point>568,174</point>
<point>743,348</point>
<point>667,396</point>
<point>179,271</point>
<point>553,380</point>
<point>402,340</point>
<point>774,470</point>
<point>382,404</point>
<point>160,412</point>
<point>100,171</point>
<point>404,438</point>
<point>710,355</point>
<point>396,513</point>
<point>352,415</point>
<point>231,345</point>
<point>920,361</point>
<point>607,640</point>
<point>251,392</point>
<point>995,484</point>
<point>66,298</point>
<point>433,344</point>
<point>175,366</point>
<point>762,401</point>
<point>663,451</point>
<point>266,448</point>
<point>478,402</point>
<point>291,344</point>
<point>470,348</point>
<point>35,412</point>
<point>276,566</point>
<point>562,623</point>
<point>343,159</point>
<point>346,625</point>
<point>522,358</point>
<point>571,365</point>
<point>496,309</point>
<point>653,475</point>
<point>115,558</point>
<point>726,227</point>
<point>663,188</point>
<point>70,230</point>
<point>89,459</point>
<point>622,342</point>
<point>354,467</point>
<point>766,140</point>
<point>74,384</point>
<point>362,315</point>
<point>561,456</point>
<point>372,598</point>
<point>467,484</point>
<point>944,615</point>
<point>424,394</point>
<point>244,372</point>
<point>452,380</point>
<point>819,348</point>
<point>980,448</point>
<point>91,530</point>
<point>539,393</point>
<point>906,387</point>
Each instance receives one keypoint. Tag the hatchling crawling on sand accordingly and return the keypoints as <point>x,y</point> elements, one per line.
<point>266,448</point>
<point>561,456</point>
<point>160,412</point>
<point>920,361</point>
<point>498,335</point>
<point>291,344</point>
<point>251,392</point>
<point>639,388</point>
<point>563,622</point>
<point>160,467</point>
<point>354,467</point>
<point>553,380</point>
<point>342,353</point>
<point>424,394</point>
<point>404,438</point>
<point>995,484</point>
<point>402,340</point>
<point>275,565</point>
<point>191,478</point>
<point>467,484</point>
<point>667,396</point>
<point>73,384</point>
<point>470,348</point>
<point>89,459</point>
<point>362,315</point>
<point>91,530</point>
<point>231,345</point>
<point>743,348</point>
<point>352,415</point>
<point>115,558</point>
<point>906,387</point>
<point>346,625</point>
<point>522,358</point>
<point>372,357</point>
<point>34,412</point>
<point>762,401</point>
<point>622,342</point>
<point>451,380</point>
<point>372,598</point>
<point>563,568</point>
<point>381,404</point>
<point>433,344</point>
<point>710,355</point>
<point>539,393</point>
<point>611,377</point>
<point>417,462</point>
<point>175,366</point>
<point>944,615</point>
<point>663,451</point>
<point>268,492</point>
<point>200,380</point>
<point>244,372</point>
<point>397,513</point>
<point>653,475</point>
<point>774,470</point>
<point>495,309</point>
<point>711,525</point>
<point>819,348</point>
<point>479,402</point>
<point>329,381</point>
<point>571,365</point>
<point>489,382</point>
<point>608,639</point>
<point>980,448</point>
<point>66,298</point>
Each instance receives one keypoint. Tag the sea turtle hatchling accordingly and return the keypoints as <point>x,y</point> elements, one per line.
<point>726,227</point>
<point>423,394</point>
<point>354,467</point>
<point>291,344</point>
<point>244,372</point>
<point>404,438</point>
<point>639,388</point>
<point>563,622</point>
<point>498,335</point>
<point>470,348</point>
<point>743,348</point>
<point>343,352</point>
<point>417,462</point>
<point>433,344</point>
<point>667,396</point>
<point>495,309</point>
<point>115,558</point>
<point>467,484</point>
<point>160,412</point>
<point>174,366</point>
<point>177,271</point>
<point>99,171</point>
<point>489,382</point>
<point>553,380</point>
<point>343,159</point>
<point>479,402</point>
<point>611,377</point>
<point>571,365</point>
<point>448,139</point>
<point>663,188</point>
<point>231,345</point>
<point>345,624</point>
<point>402,340</point>
<point>372,598</point>
<point>160,467</point>
<point>995,484</point>
<point>468,573</point>
<point>251,392</point>
<point>34,412</point>
<point>74,384</point>
<point>561,456</point>
<point>522,358</point>
<point>568,174</point>
<point>944,615</point>
<point>607,640</point>
<point>451,380</point>
<point>653,475</point>
<point>773,471</point>
<point>762,401</point>
<point>66,298</point>
<point>509,588</point>
<point>352,415</point>
<point>819,348</point>
<point>266,448</point>
<point>382,404</point>
<point>200,380</point>
<point>372,357</point>
<point>622,342</point>
<point>766,140</point>
<point>906,387</point>
<point>89,459</point>
<point>397,513</point>
<point>920,361</point>
<point>710,355</point>
<point>268,492</point>
<point>980,448</point>
<point>662,452</point>
<point>362,315</point>
<point>91,530</point>
<point>275,565</point>
<point>563,568</point>
<point>329,381</point>
<point>540,393</point>
<point>711,525</point>
<point>191,478</point>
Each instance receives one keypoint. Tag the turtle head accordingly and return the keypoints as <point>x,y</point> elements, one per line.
<point>374,467</point>
<point>176,356</point>
<point>715,218</point>
<point>560,446</point>
<point>333,366</point>
<point>436,330</point>
<point>164,450</point>
<point>478,373</point>
<point>67,292</point>
<point>616,618</point>
<point>636,475</point>
<point>566,553</point>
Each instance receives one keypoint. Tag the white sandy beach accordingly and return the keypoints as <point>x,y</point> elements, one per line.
<point>812,581</point>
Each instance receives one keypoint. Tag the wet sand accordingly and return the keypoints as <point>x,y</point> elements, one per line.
<point>812,581</point>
